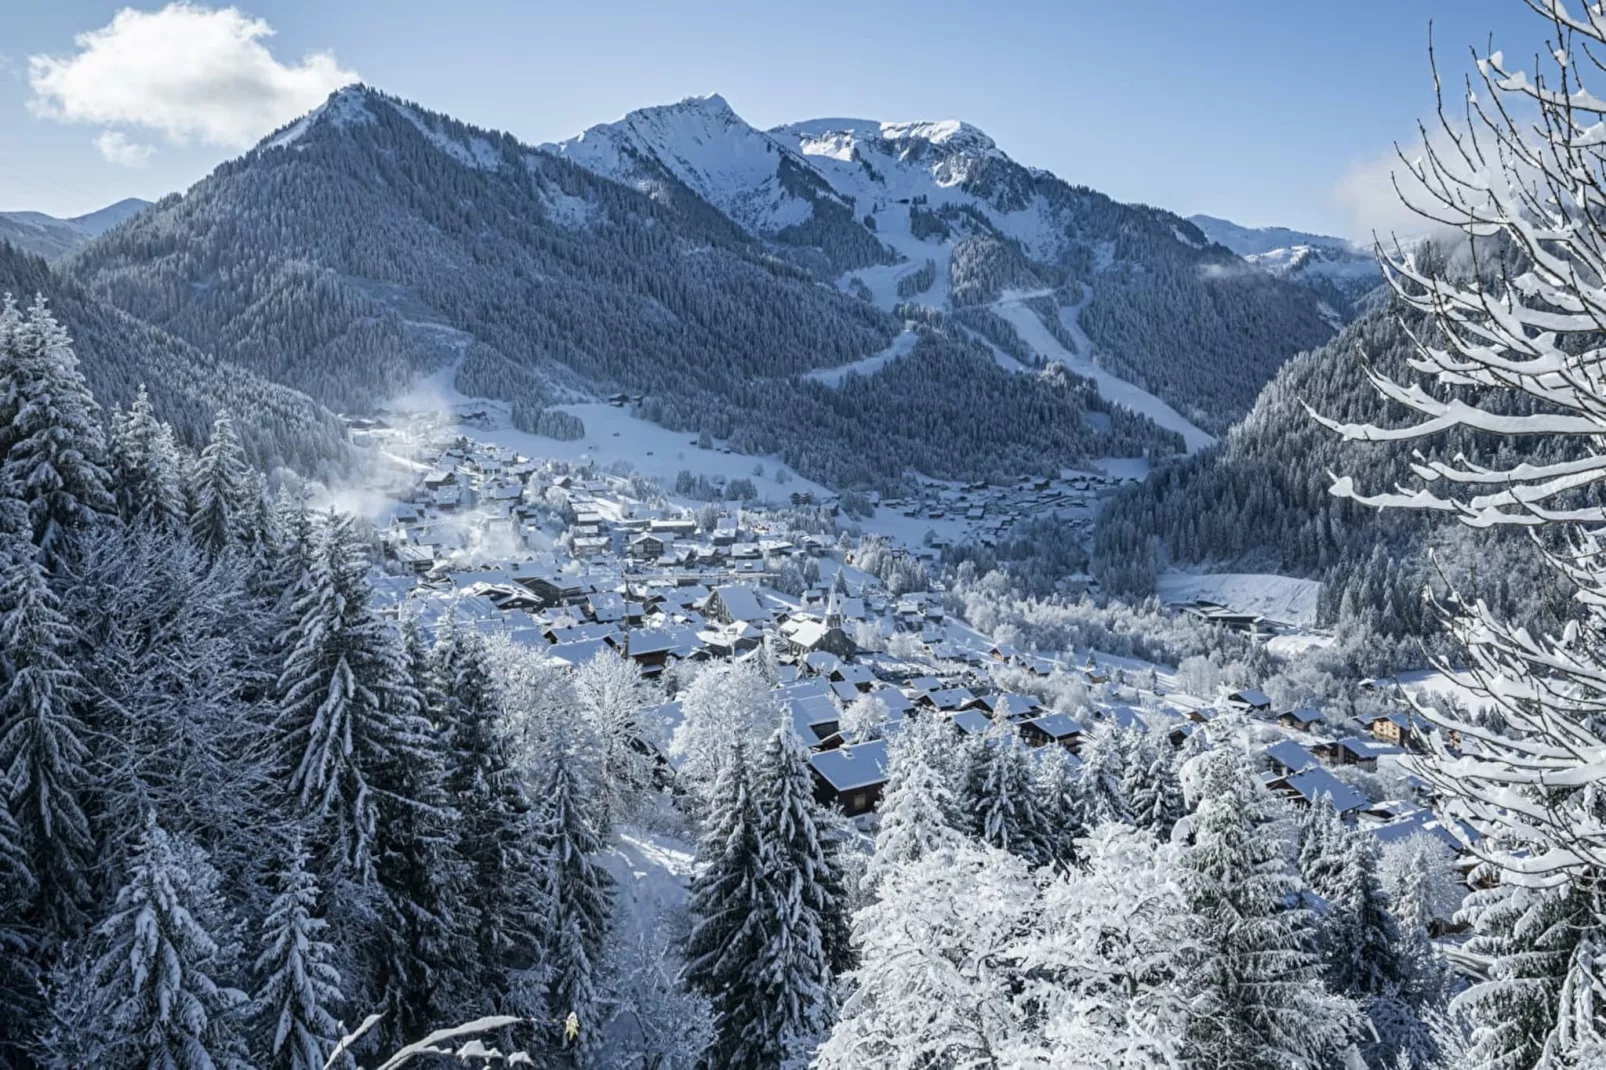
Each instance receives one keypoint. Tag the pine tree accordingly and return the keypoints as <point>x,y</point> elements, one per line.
<point>1058,787</point>
<point>1256,993</point>
<point>577,890</point>
<point>916,812</point>
<point>1007,815</point>
<point>147,470</point>
<point>496,828</point>
<point>221,489</point>
<point>1151,785</point>
<point>1103,773</point>
<point>1323,844</point>
<point>21,1005</point>
<point>1360,939</point>
<point>51,445</point>
<point>725,905</point>
<point>793,971</point>
<point>347,707</point>
<point>299,984</point>
<point>154,997</point>
<point>42,747</point>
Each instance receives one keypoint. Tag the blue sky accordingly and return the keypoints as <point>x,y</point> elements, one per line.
<point>1262,111</point>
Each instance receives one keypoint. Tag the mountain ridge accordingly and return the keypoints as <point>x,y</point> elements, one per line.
<point>51,236</point>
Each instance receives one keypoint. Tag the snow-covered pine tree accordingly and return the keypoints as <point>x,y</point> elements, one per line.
<point>1006,810</point>
<point>42,748</point>
<point>576,889</point>
<point>1103,774</point>
<point>347,705</point>
<point>1323,847</point>
<point>298,984</point>
<point>149,993</point>
<point>1152,787</point>
<point>725,905</point>
<point>496,826</point>
<point>221,489</point>
<point>147,468</point>
<point>915,816</point>
<point>1058,786</point>
<point>21,1003</point>
<point>796,904</point>
<point>52,448</point>
<point>1255,989</point>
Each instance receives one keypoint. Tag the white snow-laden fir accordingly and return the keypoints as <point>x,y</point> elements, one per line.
<point>917,807</point>
<point>222,489</point>
<point>300,985</point>
<point>610,693</point>
<point>147,467</point>
<point>1103,776</point>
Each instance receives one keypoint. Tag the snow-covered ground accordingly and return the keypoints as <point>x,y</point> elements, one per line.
<point>612,435</point>
<point>1119,391</point>
<point>1422,682</point>
<point>1283,599</point>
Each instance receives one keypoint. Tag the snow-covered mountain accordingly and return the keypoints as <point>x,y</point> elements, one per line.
<point>50,237</point>
<point>1338,270</point>
<point>935,214</point>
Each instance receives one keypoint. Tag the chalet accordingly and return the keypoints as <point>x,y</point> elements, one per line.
<point>1401,729</point>
<point>1011,706</point>
<point>577,653</point>
<point>1288,757</point>
<point>948,699</point>
<point>735,603</point>
<point>1301,720</point>
<point>1317,784</point>
<point>552,588</point>
<point>972,722</point>
<point>852,777</point>
<point>859,677</point>
<point>646,547</point>
<point>674,529</point>
<point>1058,728</point>
<point>1352,751</point>
<point>606,607</point>
<point>1251,700</point>
<point>651,648</point>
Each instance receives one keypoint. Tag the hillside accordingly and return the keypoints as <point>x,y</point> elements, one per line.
<point>50,237</point>
<point>371,241</point>
<point>187,385</point>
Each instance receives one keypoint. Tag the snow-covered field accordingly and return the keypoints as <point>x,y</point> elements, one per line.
<point>1283,599</point>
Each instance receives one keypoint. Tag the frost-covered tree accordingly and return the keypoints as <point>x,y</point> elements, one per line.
<point>144,988</point>
<point>797,902</point>
<point>726,901</point>
<point>576,889</point>
<point>917,807</point>
<point>725,701</point>
<point>610,693</point>
<point>1509,350</point>
<point>42,749</point>
<point>653,1020</point>
<point>298,985</point>
<point>864,718</point>
<point>221,489</point>
<point>1000,797</point>
<point>347,704</point>
<point>52,448</point>
<point>1255,987</point>
<point>935,985</point>
<point>1103,777</point>
<point>1151,785</point>
<point>1058,786</point>
<point>147,468</point>
<point>496,827</point>
<point>1323,848</point>
<point>1424,884</point>
<point>1106,969</point>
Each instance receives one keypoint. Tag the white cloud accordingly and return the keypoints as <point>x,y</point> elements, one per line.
<point>187,72</point>
<point>1367,195</point>
<point>115,146</point>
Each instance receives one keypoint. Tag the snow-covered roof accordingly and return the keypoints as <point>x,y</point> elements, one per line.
<point>862,765</point>
<point>1318,783</point>
<point>1291,755</point>
<point>1056,725</point>
<point>741,602</point>
<point>579,652</point>
<point>972,722</point>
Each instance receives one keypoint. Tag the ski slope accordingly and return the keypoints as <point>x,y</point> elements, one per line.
<point>1111,389</point>
<point>1283,599</point>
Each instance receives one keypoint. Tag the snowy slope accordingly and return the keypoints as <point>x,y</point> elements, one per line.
<point>1297,255</point>
<point>1283,599</point>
